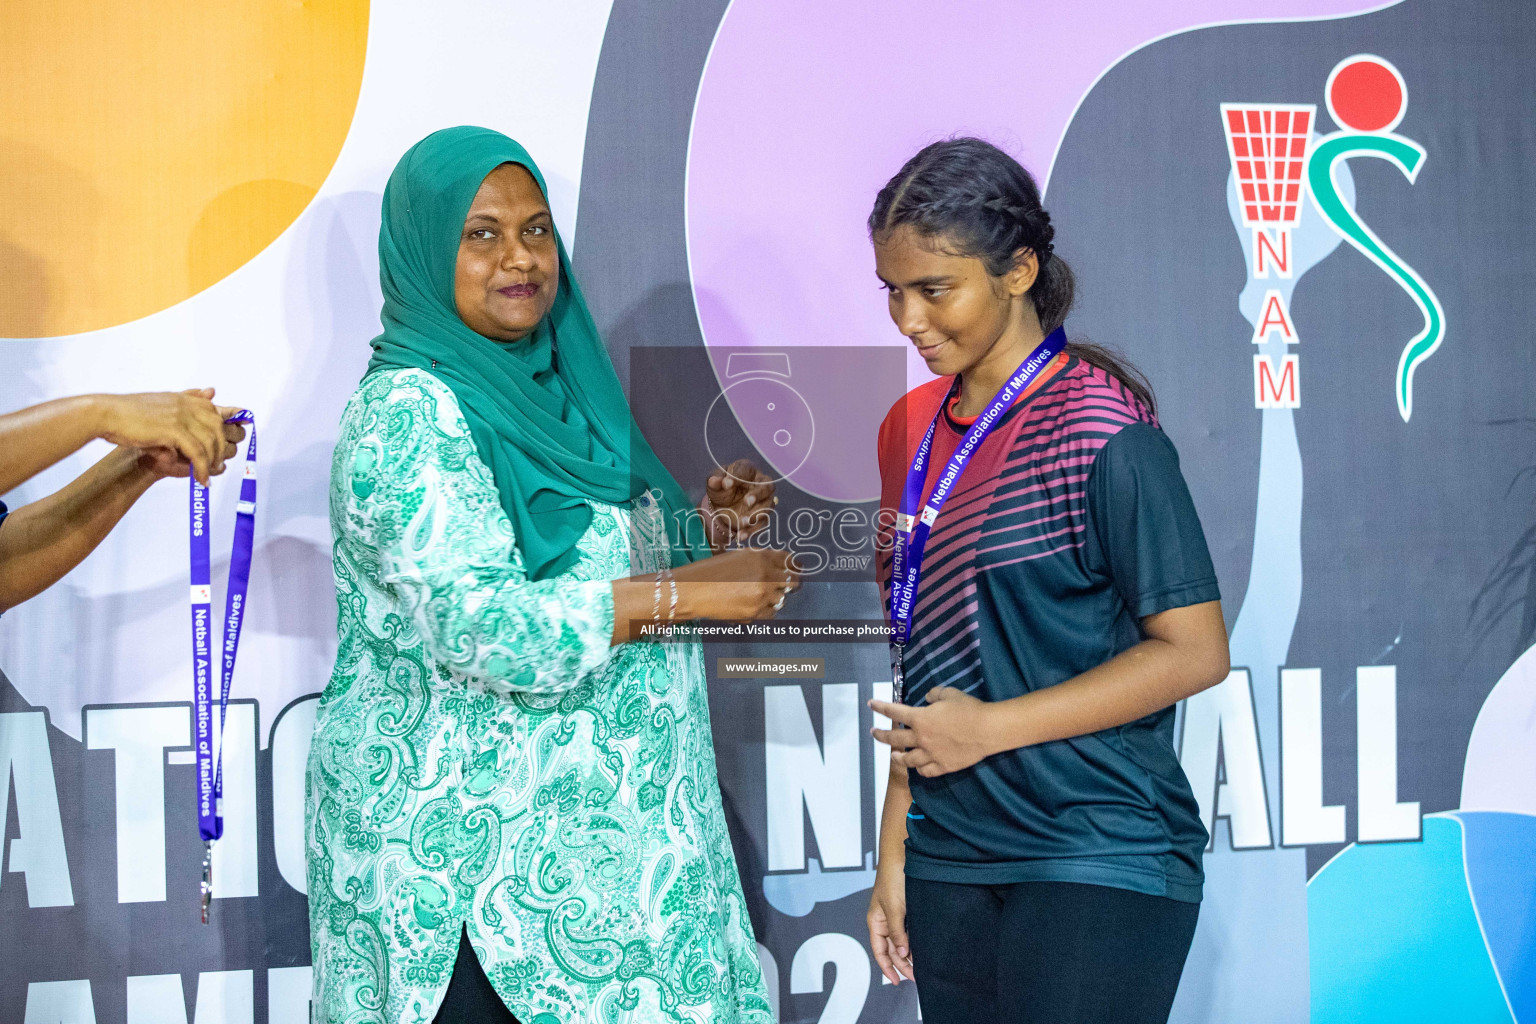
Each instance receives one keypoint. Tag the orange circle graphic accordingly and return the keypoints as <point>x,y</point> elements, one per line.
<point>151,147</point>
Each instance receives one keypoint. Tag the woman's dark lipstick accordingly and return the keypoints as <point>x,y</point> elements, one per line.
<point>520,291</point>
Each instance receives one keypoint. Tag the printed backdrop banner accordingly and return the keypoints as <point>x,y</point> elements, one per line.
<point>1308,221</point>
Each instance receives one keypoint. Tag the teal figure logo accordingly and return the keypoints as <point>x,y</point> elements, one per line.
<point>1367,98</point>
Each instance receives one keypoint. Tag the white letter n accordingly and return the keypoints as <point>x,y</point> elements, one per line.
<point>824,778</point>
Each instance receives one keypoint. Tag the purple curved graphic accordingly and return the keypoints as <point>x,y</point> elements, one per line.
<point>806,108</point>
<point>1500,770</point>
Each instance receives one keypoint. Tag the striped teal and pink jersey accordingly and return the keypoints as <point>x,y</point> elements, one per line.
<point>1071,523</point>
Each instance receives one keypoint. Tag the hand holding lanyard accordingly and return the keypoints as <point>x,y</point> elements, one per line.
<point>912,529</point>
<point>210,765</point>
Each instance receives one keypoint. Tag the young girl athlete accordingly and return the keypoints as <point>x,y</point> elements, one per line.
<point>1040,846</point>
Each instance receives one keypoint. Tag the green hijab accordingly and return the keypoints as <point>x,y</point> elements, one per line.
<point>546,413</point>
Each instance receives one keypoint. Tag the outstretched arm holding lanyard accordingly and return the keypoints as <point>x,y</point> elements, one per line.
<point>157,435</point>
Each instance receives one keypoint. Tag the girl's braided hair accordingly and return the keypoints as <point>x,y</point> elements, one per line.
<point>979,201</point>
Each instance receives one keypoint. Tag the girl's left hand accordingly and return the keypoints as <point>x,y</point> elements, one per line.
<point>954,731</point>
<point>742,496</point>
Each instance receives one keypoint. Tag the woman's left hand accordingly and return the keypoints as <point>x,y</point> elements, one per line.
<point>954,731</point>
<point>741,496</point>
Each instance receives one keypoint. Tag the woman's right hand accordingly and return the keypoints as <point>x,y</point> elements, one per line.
<point>736,586</point>
<point>887,920</point>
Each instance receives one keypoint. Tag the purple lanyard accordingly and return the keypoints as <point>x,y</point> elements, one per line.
<point>210,765</point>
<point>912,529</point>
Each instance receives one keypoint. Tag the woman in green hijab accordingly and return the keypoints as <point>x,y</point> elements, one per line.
<point>500,778</point>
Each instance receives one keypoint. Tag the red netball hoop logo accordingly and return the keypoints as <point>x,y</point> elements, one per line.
<point>1268,146</point>
<point>1277,163</point>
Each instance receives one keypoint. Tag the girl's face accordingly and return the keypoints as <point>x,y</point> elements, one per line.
<point>952,309</point>
<point>508,267</point>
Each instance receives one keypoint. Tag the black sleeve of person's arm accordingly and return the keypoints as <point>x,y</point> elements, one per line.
<point>1143,525</point>
<point>3,513</point>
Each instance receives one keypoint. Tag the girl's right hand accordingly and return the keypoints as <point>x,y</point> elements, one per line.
<point>887,920</point>
<point>736,586</point>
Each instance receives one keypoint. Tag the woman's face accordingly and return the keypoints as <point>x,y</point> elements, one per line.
<point>508,267</point>
<point>951,308</point>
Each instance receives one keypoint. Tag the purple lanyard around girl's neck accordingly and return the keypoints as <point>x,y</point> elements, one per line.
<point>912,529</point>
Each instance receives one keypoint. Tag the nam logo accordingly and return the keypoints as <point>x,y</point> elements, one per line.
<point>1275,159</point>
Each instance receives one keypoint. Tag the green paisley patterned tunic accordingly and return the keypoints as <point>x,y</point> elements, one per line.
<point>484,759</point>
